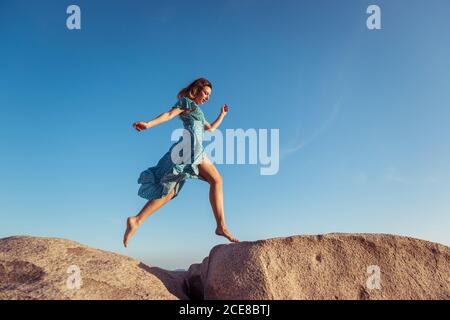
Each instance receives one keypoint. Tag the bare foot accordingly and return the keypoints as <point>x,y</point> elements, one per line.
<point>223,231</point>
<point>132,225</point>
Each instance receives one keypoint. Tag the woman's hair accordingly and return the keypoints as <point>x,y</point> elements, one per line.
<point>194,88</point>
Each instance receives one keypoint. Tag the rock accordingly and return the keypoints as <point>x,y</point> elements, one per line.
<point>333,266</point>
<point>37,268</point>
<point>194,281</point>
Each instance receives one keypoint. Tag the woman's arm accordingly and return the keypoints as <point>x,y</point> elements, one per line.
<point>217,122</point>
<point>163,117</point>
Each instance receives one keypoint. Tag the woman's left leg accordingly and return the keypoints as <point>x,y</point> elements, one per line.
<point>209,172</point>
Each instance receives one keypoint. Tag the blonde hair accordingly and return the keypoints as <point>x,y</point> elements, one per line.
<point>192,90</point>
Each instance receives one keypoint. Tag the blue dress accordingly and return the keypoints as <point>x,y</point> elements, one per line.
<point>156,182</point>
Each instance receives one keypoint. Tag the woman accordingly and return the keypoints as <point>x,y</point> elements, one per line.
<point>163,182</point>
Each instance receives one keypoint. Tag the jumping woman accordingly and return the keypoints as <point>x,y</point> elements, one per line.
<point>163,182</point>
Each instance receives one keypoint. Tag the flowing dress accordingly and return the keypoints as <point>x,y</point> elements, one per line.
<point>157,181</point>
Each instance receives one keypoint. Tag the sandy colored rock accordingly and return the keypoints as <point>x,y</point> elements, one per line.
<point>36,268</point>
<point>333,266</point>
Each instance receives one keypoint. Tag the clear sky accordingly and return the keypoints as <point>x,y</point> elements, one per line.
<point>363,118</point>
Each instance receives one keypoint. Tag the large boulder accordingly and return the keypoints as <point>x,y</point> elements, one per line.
<point>51,268</point>
<point>333,266</point>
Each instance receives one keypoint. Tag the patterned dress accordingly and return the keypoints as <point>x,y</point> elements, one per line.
<point>156,182</point>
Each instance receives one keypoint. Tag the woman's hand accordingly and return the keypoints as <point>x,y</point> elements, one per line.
<point>140,125</point>
<point>224,109</point>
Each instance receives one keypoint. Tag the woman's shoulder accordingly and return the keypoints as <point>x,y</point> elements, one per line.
<point>189,101</point>
<point>185,103</point>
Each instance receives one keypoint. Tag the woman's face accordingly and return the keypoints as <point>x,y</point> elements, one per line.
<point>203,96</point>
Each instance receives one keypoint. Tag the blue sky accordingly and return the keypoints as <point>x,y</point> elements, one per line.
<point>363,118</point>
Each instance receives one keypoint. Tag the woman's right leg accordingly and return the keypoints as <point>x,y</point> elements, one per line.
<point>151,206</point>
